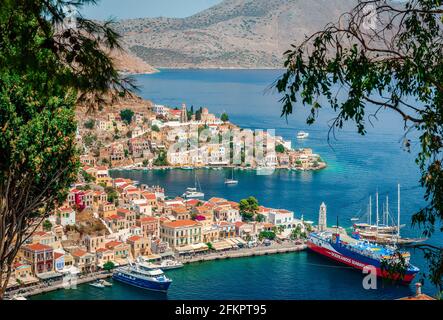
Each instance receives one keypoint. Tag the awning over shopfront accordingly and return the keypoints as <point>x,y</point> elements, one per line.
<point>221,245</point>
<point>152,257</point>
<point>232,243</point>
<point>49,275</point>
<point>200,247</point>
<point>184,249</point>
<point>240,240</point>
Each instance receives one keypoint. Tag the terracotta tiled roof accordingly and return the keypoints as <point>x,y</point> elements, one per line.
<point>113,244</point>
<point>134,238</point>
<point>37,247</point>
<point>79,253</point>
<point>180,223</point>
<point>149,195</point>
<point>147,219</point>
<point>193,202</point>
<point>58,255</point>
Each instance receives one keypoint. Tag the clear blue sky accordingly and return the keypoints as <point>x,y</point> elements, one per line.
<point>126,9</point>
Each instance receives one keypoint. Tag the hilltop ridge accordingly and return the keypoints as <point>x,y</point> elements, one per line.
<point>232,34</point>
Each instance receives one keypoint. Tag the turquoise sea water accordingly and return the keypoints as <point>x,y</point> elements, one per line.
<point>357,167</point>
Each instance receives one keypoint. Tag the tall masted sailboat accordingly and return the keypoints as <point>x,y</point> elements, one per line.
<point>195,192</point>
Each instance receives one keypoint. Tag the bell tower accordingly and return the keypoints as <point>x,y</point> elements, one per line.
<point>322,217</point>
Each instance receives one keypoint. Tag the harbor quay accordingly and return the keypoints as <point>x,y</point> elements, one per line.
<point>275,248</point>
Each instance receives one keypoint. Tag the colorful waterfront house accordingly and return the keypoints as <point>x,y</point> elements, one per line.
<point>94,242</point>
<point>130,193</point>
<point>121,250</point>
<point>74,198</point>
<point>135,231</point>
<point>128,215</point>
<point>22,271</point>
<point>210,233</point>
<point>39,256</point>
<point>143,209</point>
<point>21,276</point>
<point>115,222</point>
<point>106,210</point>
<point>100,198</point>
<point>88,198</point>
<point>284,218</point>
<point>84,261</point>
<point>66,216</point>
<point>150,226</point>
<point>264,212</point>
<point>68,260</point>
<point>158,246</point>
<point>226,229</point>
<point>224,212</point>
<point>204,210</point>
<point>139,246</point>
<point>180,213</point>
<point>104,255</point>
<point>202,220</point>
<point>59,261</point>
<point>47,238</point>
<point>181,233</point>
<point>103,176</point>
<point>283,159</point>
<point>150,198</point>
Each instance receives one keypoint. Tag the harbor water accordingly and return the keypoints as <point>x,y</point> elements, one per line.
<point>358,166</point>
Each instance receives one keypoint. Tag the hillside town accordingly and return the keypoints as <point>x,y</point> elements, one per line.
<point>140,134</point>
<point>105,223</point>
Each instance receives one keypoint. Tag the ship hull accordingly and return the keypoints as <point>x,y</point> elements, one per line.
<point>358,263</point>
<point>141,283</point>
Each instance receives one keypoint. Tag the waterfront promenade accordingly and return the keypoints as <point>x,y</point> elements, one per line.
<point>275,248</point>
<point>57,285</point>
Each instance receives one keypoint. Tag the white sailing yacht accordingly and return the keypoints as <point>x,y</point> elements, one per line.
<point>195,192</point>
<point>232,180</point>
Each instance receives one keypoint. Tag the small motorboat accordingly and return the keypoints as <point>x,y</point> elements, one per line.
<point>106,283</point>
<point>302,135</point>
<point>97,284</point>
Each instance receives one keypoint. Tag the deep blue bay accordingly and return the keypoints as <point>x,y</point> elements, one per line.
<point>357,167</point>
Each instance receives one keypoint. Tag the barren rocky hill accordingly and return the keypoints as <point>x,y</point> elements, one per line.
<point>232,34</point>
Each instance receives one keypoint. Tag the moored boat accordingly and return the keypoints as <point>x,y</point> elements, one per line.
<point>136,276</point>
<point>231,181</point>
<point>97,284</point>
<point>163,265</point>
<point>359,254</point>
<point>192,193</point>
<point>195,192</point>
<point>302,135</point>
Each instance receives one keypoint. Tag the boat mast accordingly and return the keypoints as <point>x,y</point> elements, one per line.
<point>376,208</point>
<point>387,211</point>
<point>370,210</point>
<point>398,212</point>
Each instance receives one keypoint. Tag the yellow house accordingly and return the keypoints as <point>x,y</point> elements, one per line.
<point>139,246</point>
<point>106,210</point>
<point>181,233</point>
